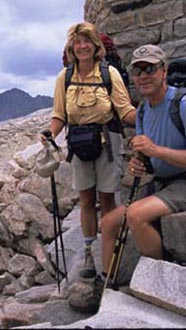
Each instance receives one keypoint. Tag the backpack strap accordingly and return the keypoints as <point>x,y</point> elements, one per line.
<point>68,75</point>
<point>141,113</point>
<point>105,75</point>
<point>103,66</point>
<point>175,110</point>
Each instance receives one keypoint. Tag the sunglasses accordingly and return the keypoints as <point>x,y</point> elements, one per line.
<point>149,69</point>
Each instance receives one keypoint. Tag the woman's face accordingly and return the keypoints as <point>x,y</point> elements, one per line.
<point>84,49</point>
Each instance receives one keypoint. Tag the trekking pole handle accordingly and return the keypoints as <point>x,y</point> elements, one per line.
<point>48,135</point>
<point>146,161</point>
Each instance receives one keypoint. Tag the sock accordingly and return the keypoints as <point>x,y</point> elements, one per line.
<point>89,241</point>
<point>104,276</point>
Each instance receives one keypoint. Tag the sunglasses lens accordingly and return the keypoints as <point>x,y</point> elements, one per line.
<point>136,71</point>
<point>149,69</point>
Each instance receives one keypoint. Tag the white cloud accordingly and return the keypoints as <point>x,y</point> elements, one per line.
<point>43,86</point>
<point>33,34</point>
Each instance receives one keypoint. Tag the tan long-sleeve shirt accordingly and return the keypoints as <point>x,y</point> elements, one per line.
<point>90,104</point>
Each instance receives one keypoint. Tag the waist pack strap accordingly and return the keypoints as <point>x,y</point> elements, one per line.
<point>108,143</point>
<point>69,156</point>
<point>171,178</point>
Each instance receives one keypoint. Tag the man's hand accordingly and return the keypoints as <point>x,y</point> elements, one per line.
<point>143,144</point>
<point>136,167</point>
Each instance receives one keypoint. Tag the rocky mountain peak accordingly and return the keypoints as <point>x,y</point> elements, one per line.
<point>15,103</point>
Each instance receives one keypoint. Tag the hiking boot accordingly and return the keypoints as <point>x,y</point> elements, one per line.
<point>88,270</point>
<point>85,297</point>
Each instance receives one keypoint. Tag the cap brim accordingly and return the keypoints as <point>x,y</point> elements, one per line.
<point>146,59</point>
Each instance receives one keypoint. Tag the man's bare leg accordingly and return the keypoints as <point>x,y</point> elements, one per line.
<point>140,216</point>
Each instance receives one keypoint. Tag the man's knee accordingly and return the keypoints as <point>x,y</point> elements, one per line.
<point>104,223</point>
<point>134,217</point>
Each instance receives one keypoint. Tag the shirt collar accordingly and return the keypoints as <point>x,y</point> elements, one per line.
<point>93,73</point>
<point>169,95</point>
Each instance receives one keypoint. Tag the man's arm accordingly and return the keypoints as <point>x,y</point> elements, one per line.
<point>149,148</point>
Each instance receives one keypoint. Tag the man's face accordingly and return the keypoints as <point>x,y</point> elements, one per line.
<point>148,78</point>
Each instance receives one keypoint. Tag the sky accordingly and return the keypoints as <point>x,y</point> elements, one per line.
<point>33,34</point>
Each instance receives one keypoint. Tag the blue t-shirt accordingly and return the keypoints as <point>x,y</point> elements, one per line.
<point>158,126</point>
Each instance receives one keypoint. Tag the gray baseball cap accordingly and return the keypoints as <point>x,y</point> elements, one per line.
<point>149,53</point>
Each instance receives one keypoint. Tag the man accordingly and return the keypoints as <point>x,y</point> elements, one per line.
<point>159,139</point>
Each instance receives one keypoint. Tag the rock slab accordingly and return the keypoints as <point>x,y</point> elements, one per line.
<point>160,283</point>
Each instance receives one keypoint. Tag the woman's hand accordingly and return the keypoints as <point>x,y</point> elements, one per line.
<point>42,138</point>
<point>130,117</point>
<point>46,136</point>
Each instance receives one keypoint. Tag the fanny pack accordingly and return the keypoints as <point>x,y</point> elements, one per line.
<point>84,141</point>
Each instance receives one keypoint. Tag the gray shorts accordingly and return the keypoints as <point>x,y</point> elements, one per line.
<point>104,175</point>
<point>173,193</point>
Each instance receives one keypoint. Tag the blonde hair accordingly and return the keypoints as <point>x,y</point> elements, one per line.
<point>88,30</point>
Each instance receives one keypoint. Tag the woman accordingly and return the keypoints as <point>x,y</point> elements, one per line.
<point>84,104</point>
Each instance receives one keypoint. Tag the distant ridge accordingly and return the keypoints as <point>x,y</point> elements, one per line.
<point>16,103</point>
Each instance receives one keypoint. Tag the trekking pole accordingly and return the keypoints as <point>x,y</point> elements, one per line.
<point>121,238</point>
<point>56,218</point>
<point>57,230</point>
<point>123,231</point>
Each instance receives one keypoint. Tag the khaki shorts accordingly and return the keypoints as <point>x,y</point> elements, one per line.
<point>104,175</point>
<point>172,193</point>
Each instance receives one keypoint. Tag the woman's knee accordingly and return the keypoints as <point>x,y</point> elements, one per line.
<point>112,220</point>
<point>107,202</point>
<point>87,199</point>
